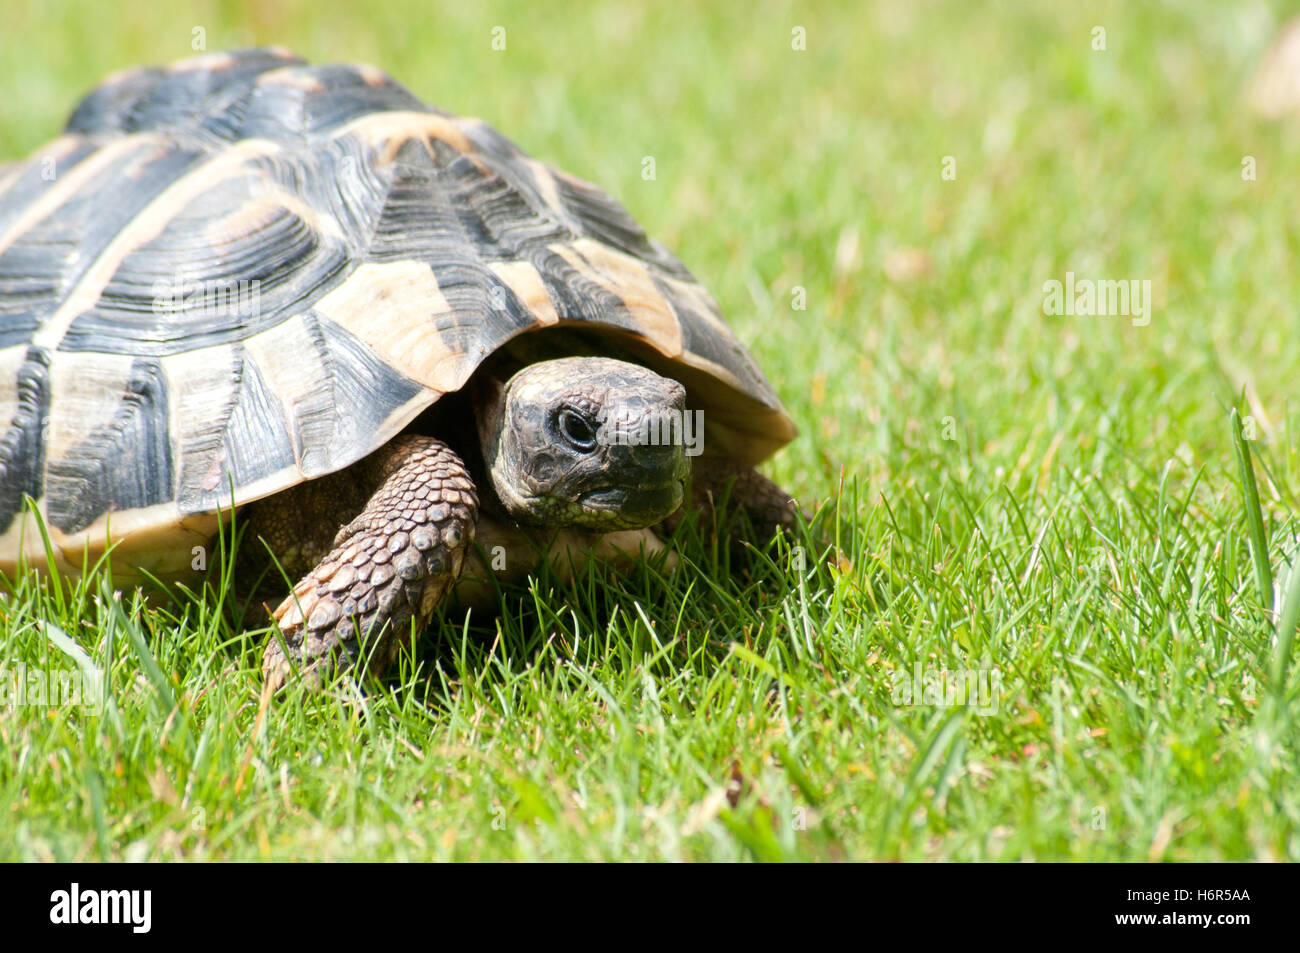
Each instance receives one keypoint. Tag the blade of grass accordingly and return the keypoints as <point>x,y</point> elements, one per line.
<point>1287,619</point>
<point>1254,515</point>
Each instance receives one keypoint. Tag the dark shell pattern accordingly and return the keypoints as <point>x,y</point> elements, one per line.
<point>242,271</point>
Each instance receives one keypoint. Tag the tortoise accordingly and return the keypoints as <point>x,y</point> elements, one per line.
<point>382,337</point>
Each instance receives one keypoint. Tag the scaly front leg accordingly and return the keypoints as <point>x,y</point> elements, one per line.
<point>389,566</point>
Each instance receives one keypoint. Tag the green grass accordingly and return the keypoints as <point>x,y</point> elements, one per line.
<point>1061,499</point>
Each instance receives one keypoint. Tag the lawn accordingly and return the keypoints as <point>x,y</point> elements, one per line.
<point>1055,503</point>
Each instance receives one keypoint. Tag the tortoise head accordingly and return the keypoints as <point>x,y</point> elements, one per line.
<point>588,442</point>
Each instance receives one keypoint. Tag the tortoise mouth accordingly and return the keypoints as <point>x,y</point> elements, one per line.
<point>634,507</point>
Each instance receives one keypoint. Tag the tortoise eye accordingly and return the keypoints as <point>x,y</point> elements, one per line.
<point>577,430</point>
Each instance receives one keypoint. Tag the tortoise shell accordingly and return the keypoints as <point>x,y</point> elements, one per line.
<point>242,271</point>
